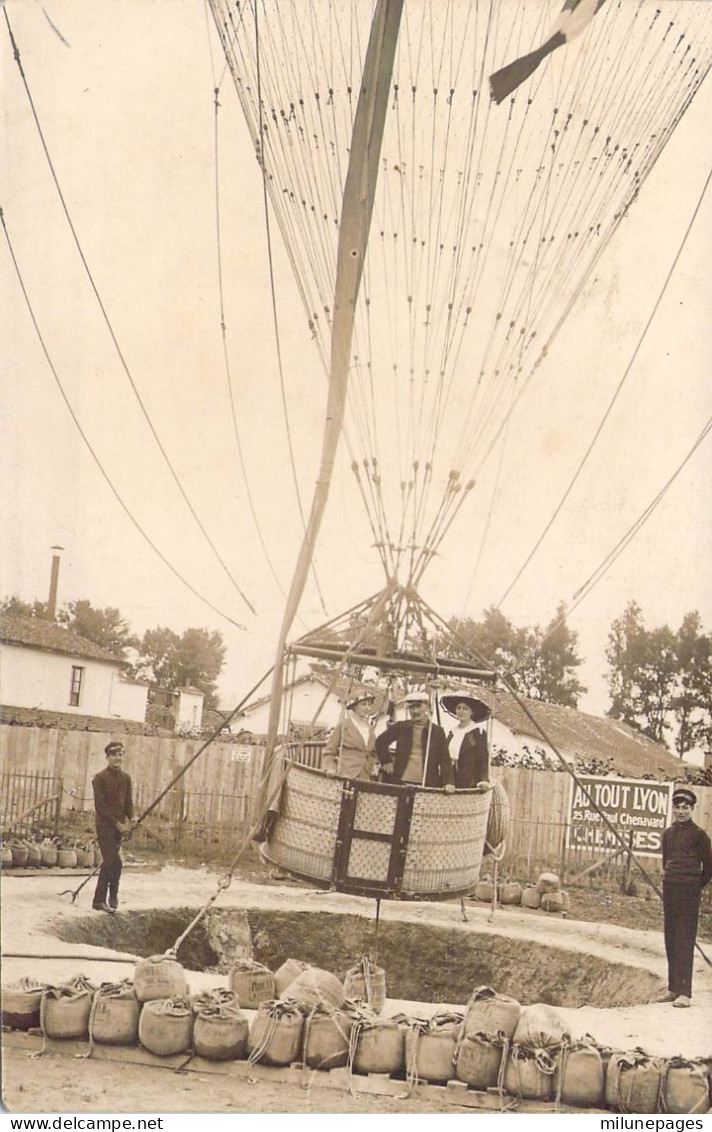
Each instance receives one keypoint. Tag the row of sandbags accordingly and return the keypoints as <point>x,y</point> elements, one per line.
<point>496,1044</point>
<point>47,854</point>
<point>546,894</point>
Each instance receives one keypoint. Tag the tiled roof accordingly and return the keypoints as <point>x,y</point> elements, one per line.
<point>580,735</point>
<point>35,632</point>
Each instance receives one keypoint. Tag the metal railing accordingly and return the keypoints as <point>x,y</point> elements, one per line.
<point>30,804</point>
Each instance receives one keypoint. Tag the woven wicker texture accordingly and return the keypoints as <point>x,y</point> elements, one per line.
<point>369,859</point>
<point>446,838</point>
<point>304,836</point>
<point>375,813</point>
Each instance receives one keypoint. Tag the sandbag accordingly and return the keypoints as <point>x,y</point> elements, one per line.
<point>115,1015</point>
<point>489,1012</point>
<point>548,882</point>
<point>554,901</point>
<point>478,1059</point>
<point>21,1004</point>
<point>430,1048</point>
<point>20,854</point>
<point>540,1026</point>
<point>159,977</point>
<point>275,1036</point>
<point>327,1037</point>
<point>529,1074</point>
<point>220,1029</point>
<point>579,1076</point>
<point>366,981</point>
<point>379,1046</point>
<point>633,1082</point>
<point>65,1010</point>
<point>166,1026</point>
<point>287,973</point>
<point>510,892</point>
<point>685,1087</point>
<point>315,986</point>
<point>531,897</point>
<point>484,890</point>
<point>252,982</point>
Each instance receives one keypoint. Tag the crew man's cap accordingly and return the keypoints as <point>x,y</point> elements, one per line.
<point>417,698</point>
<point>113,748</point>
<point>682,794</point>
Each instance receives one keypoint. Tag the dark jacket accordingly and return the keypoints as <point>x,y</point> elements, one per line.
<point>112,796</point>
<point>439,770</point>
<point>687,854</point>
<point>472,765</point>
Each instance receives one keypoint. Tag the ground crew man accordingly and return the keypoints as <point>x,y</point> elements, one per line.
<point>687,868</point>
<point>113,805</point>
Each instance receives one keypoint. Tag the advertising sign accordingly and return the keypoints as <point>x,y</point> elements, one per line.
<point>632,805</point>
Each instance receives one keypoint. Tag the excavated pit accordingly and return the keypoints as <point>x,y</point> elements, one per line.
<point>423,963</point>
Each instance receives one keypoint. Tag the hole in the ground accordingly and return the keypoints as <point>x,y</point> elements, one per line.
<point>423,962</point>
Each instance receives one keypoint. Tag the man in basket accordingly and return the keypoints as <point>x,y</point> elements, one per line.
<point>414,751</point>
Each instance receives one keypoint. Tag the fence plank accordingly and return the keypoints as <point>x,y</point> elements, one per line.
<point>221,790</point>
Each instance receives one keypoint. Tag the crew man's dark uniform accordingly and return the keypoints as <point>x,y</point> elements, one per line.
<point>113,804</point>
<point>687,868</point>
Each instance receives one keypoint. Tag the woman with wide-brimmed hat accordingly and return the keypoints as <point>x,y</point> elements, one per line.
<point>350,749</point>
<point>467,742</point>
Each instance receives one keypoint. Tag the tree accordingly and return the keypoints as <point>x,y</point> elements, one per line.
<point>194,659</point>
<point>657,675</point>
<point>624,644</point>
<point>14,607</point>
<point>692,703</point>
<point>541,663</point>
<point>105,627</point>
<point>550,671</point>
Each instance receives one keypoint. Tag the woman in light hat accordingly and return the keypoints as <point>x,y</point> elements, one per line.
<point>467,742</point>
<point>350,749</point>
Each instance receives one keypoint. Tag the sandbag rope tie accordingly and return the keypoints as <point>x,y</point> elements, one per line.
<point>682,1063</point>
<point>76,988</point>
<point>538,1055</point>
<point>326,1010</point>
<point>106,990</point>
<point>638,1057</point>
<point>276,1011</point>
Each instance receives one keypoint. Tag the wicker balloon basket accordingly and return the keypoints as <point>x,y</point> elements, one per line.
<point>376,839</point>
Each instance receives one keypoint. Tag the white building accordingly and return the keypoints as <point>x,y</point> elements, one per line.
<point>47,667</point>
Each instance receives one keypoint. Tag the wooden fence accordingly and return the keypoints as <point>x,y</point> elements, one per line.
<point>213,804</point>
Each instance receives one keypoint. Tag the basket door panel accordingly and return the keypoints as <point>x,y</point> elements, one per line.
<point>372,838</point>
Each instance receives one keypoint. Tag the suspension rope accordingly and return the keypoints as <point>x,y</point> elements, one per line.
<point>107,479</point>
<point>614,398</point>
<point>109,326</point>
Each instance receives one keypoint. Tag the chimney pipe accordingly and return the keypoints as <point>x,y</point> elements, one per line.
<point>53,583</point>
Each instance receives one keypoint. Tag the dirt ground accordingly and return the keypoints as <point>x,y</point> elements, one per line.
<point>72,1085</point>
<point>34,916</point>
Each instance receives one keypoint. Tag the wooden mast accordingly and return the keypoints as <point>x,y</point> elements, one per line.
<point>356,212</point>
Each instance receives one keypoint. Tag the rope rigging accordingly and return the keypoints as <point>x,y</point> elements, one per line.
<point>87,442</point>
<point>487,222</point>
<point>112,335</point>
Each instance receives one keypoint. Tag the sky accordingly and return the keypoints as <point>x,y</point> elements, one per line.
<point>124,93</point>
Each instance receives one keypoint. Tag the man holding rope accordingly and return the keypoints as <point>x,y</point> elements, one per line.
<point>687,868</point>
<point>113,804</point>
